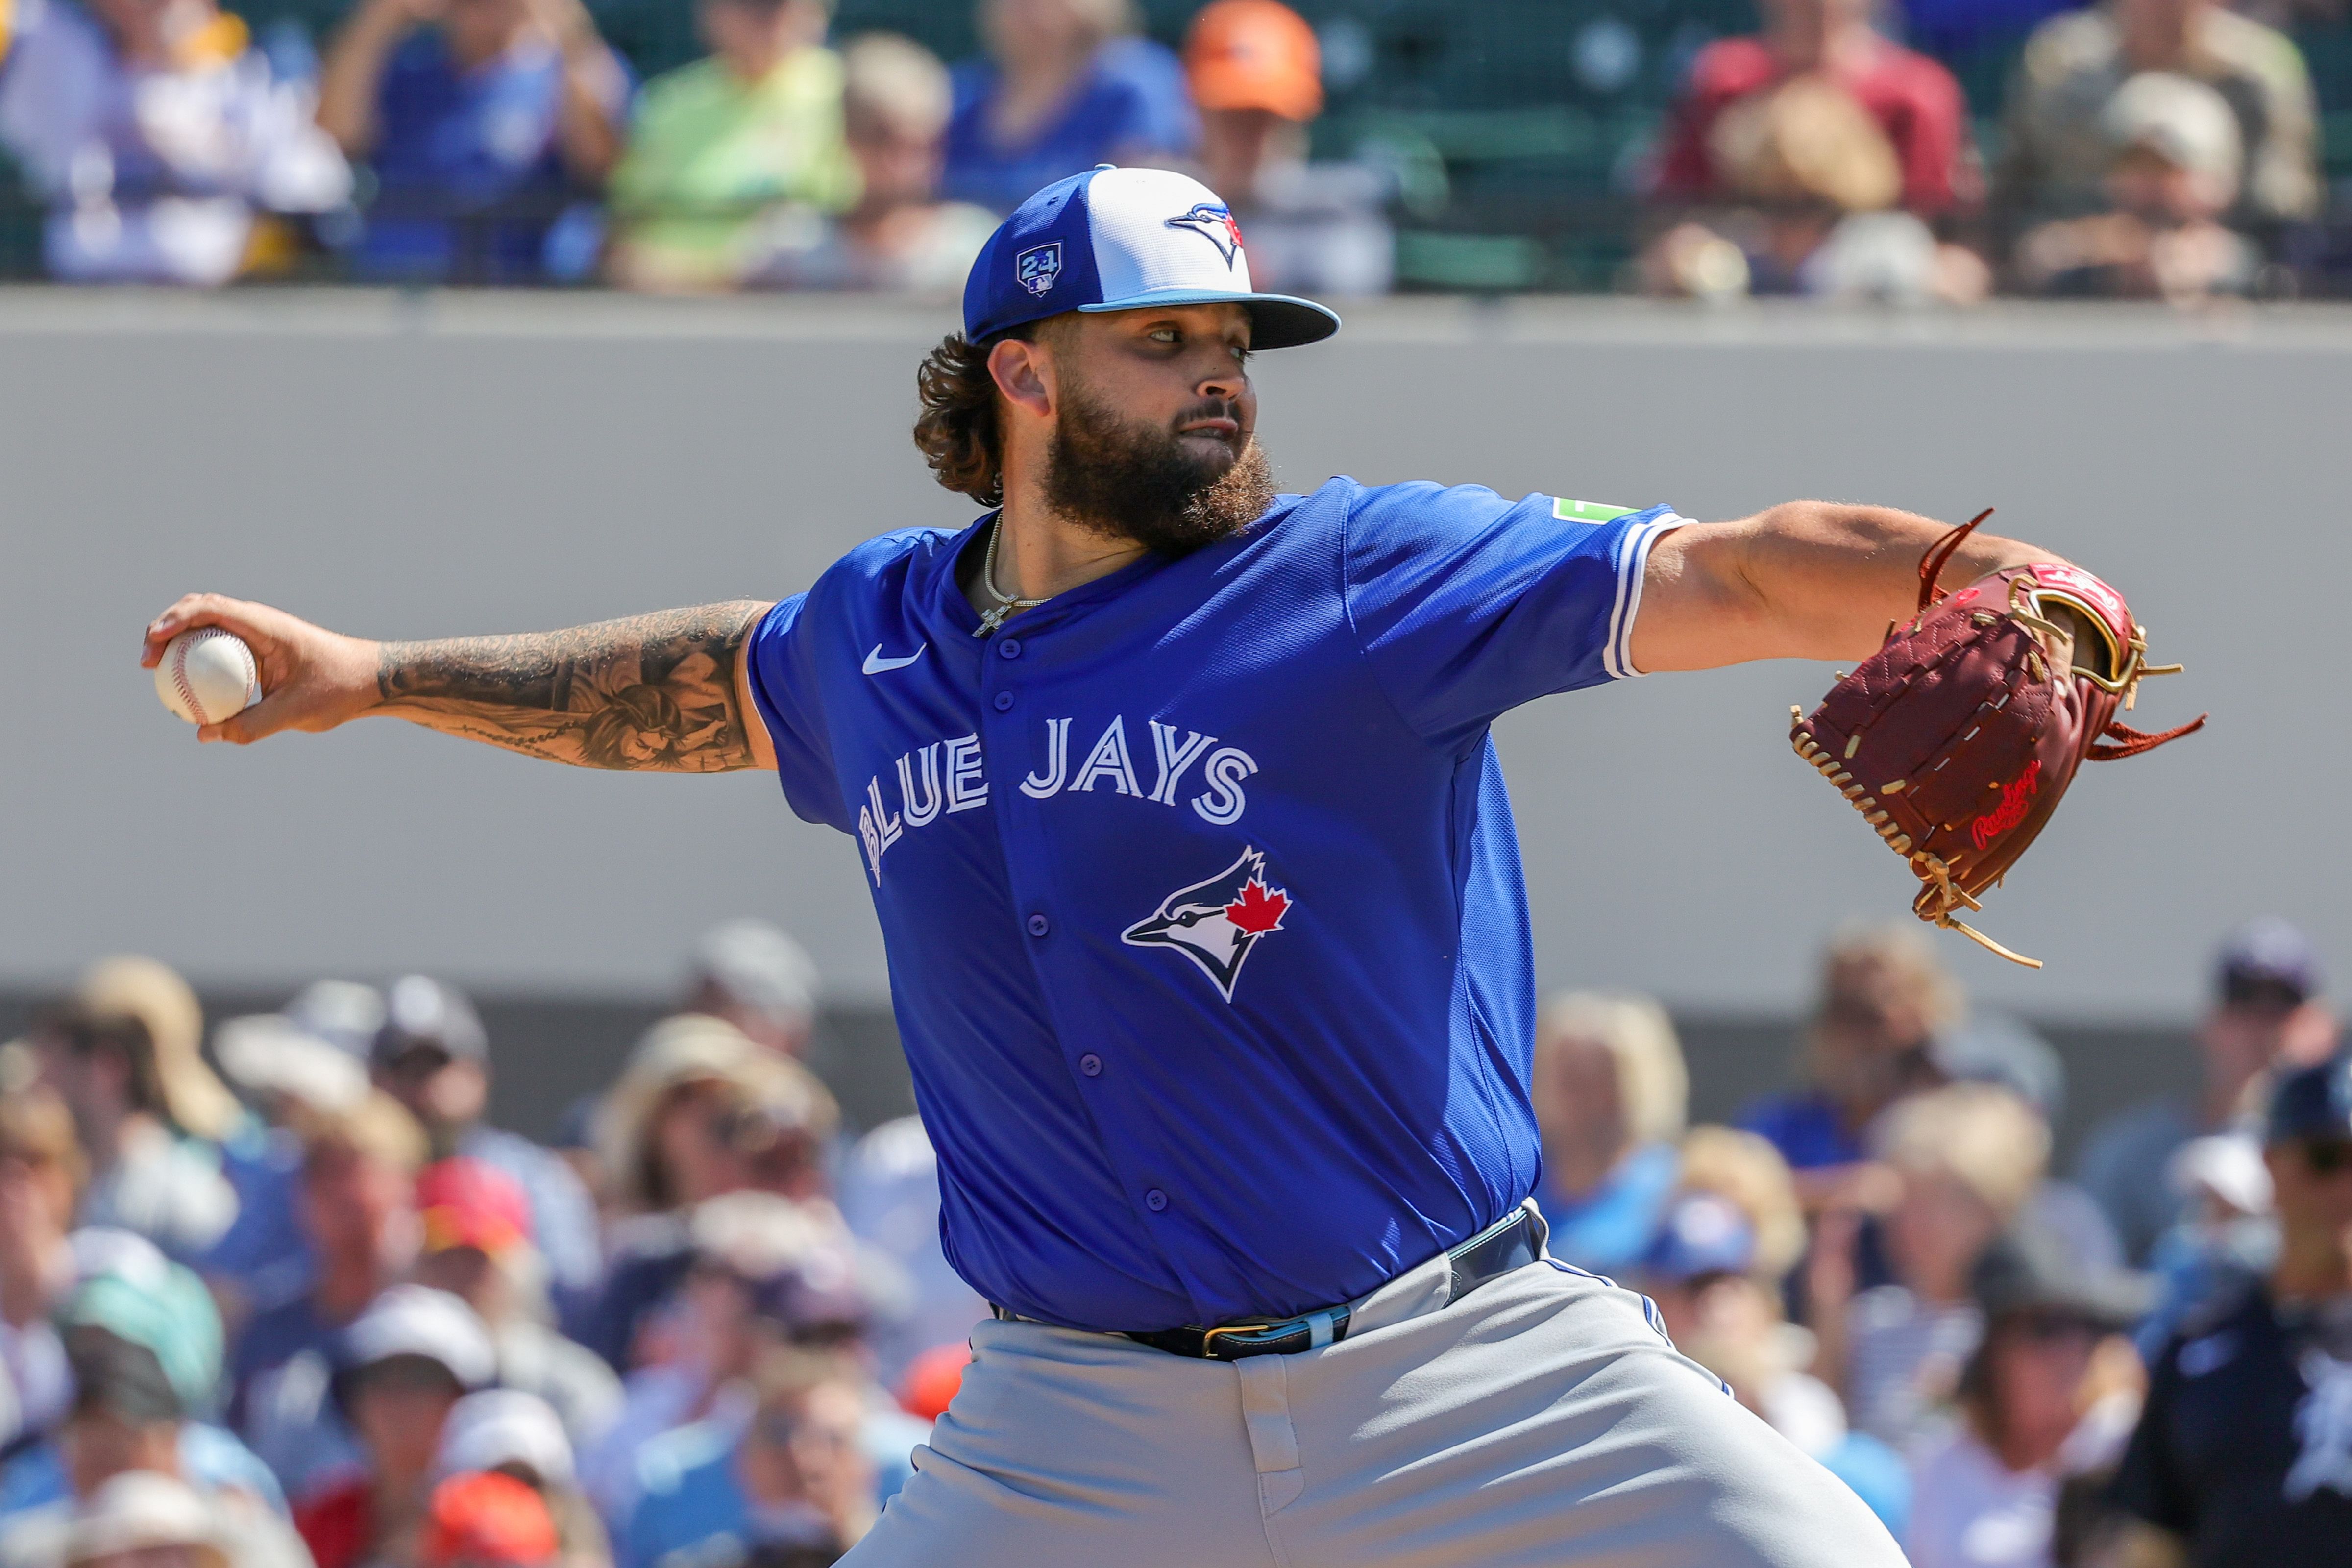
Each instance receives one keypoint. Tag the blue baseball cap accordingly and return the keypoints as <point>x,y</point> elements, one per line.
<point>2312,1102</point>
<point>1125,239</point>
<point>1701,1234</point>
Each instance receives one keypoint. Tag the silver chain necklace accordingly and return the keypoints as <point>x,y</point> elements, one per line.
<point>1005,604</point>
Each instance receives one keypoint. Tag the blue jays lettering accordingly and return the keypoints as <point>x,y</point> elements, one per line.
<point>946,776</point>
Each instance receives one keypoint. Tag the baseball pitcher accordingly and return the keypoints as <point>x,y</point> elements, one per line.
<point>1180,809</point>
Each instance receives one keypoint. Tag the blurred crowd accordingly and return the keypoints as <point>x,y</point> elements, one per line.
<point>2148,1363</point>
<point>309,1307</point>
<point>293,1299</point>
<point>2155,149</point>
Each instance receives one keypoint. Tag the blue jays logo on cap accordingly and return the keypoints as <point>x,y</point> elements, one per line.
<point>1037,267</point>
<point>1213,221</point>
<point>1104,240</point>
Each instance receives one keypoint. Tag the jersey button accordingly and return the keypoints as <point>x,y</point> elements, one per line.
<point>1039,925</point>
<point>1009,648</point>
<point>1155,1200</point>
<point>1090,1065</point>
<point>1004,703</point>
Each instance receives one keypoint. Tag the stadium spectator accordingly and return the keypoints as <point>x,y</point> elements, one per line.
<point>400,1369</point>
<point>2050,1392</point>
<point>1066,86</point>
<point>518,1436</point>
<point>725,149</point>
<point>140,1520</point>
<point>1610,1092</point>
<point>145,1353</point>
<point>2268,1009</point>
<point>1966,1160</point>
<point>2243,1457</point>
<point>475,1225</point>
<point>760,980</point>
<point>761,1270</point>
<point>796,1487</point>
<point>1883,997</point>
<point>1988,1047</point>
<point>2058,152</point>
<point>487,1522</point>
<point>123,1054</point>
<point>1256,73</point>
<point>2174,175</point>
<point>41,1174</point>
<point>2227,1230</point>
<point>1914,101</point>
<point>432,1055</point>
<point>161,141</point>
<point>899,237</point>
<point>1749,1173</point>
<point>1702,1271</point>
<point>285,1065</point>
<point>890,1201</point>
<point>357,1209</point>
<point>484,122</point>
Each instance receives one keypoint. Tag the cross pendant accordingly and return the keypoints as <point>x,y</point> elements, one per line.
<point>991,619</point>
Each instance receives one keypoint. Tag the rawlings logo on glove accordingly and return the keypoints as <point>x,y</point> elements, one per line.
<point>1957,739</point>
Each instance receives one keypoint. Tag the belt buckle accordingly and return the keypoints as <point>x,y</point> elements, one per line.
<point>1322,1328</point>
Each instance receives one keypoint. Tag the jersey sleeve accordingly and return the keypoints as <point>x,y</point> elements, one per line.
<point>1468,604</point>
<point>785,688</point>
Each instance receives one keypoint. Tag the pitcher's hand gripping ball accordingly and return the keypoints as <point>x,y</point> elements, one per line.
<point>207,674</point>
<point>1958,737</point>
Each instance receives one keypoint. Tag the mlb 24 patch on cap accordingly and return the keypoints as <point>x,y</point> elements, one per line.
<point>1126,239</point>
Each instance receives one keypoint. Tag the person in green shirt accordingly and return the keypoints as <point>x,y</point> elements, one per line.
<point>726,148</point>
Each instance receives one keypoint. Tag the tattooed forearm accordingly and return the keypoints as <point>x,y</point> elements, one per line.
<point>652,692</point>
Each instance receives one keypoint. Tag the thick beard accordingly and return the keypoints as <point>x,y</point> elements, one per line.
<point>1137,481</point>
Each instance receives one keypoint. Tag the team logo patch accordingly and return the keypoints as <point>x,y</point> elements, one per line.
<point>1037,267</point>
<point>1214,223</point>
<point>1217,924</point>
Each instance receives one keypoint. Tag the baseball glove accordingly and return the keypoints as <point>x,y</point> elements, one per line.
<point>1958,737</point>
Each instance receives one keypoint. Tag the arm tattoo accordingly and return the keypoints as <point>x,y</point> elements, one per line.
<point>650,693</point>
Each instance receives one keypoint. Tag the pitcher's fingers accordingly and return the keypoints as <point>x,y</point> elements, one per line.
<point>196,610</point>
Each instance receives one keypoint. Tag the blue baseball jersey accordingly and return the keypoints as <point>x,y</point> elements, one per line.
<point>1207,936</point>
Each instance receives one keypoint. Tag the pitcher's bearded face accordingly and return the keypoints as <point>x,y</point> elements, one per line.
<point>1171,488</point>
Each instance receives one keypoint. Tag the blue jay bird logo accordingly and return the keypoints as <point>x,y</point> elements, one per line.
<point>1036,268</point>
<point>1217,924</point>
<point>1213,221</point>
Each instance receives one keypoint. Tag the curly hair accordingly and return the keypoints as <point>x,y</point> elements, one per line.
<point>958,431</point>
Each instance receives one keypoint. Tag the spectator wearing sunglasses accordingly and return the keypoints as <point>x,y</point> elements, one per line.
<point>2242,1458</point>
<point>2051,1392</point>
<point>2268,1011</point>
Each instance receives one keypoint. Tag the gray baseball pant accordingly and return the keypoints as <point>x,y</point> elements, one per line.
<point>1543,1419</point>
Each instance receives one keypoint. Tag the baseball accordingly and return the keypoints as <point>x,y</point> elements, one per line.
<point>206,675</point>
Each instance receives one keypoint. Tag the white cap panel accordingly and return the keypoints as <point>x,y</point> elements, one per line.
<point>1155,228</point>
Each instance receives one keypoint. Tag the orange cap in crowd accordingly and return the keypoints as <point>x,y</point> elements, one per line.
<point>1254,54</point>
<point>487,1518</point>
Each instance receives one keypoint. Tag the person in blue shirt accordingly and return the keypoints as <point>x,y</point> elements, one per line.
<point>1611,1094</point>
<point>1884,998</point>
<point>806,1465</point>
<point>484,121</point>
<point>1181,814</point>
<point>1064,87</point>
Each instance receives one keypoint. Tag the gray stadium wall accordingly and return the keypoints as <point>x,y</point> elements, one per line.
<point>426,465</point>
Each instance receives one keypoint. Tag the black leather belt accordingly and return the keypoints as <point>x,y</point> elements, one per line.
<point>1511,1242</point>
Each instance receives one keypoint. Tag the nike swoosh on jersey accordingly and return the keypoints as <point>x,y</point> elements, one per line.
<point>876,664</point>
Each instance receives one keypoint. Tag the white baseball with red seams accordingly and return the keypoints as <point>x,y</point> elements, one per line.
<point>206,675</point>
